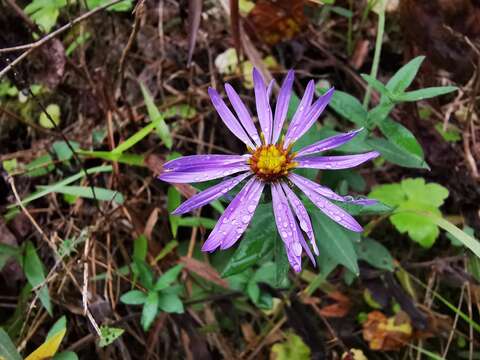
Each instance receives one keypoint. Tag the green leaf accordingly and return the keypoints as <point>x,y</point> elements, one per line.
<point>333,240</point>
<point>349,108</point>
<point>170,303</point>
<point>410,197</point>
<point>379,113</point>
<point>33,269</point>
<point>145,273</point>
<point>397,155</point>
<point>59,325</point>
<point>8,351</point>
<point>377,85</point>
<point>45,12</point>
<point>140,248</point>
<point>133,297</point>
<point>40,166</point>
<point>101,194</point>
<point>129,159</point>
<point>168,278</point>
<point>256,243</point>
<point>124,5</point>
<point>452,134</point>
<point>150,310</point>
<point>426,93</point>
<point>55,115</point>
<point>109,334</point>
<point>281,261</point>
<point>173,201</point>
<point>197,221</point>
<point>52,188</point>
<point>374,253</point>
<point>405,76</point>
<point>292,348</point>
<point>66,355</point>
<point>157,118</point>
<point>467,240</point>
<point>63,151</point>
<point>400,136</point>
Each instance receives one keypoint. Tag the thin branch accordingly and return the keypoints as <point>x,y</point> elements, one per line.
<point>32,46</point>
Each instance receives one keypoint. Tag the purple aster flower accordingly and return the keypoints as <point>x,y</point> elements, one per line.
<point>269,162</point>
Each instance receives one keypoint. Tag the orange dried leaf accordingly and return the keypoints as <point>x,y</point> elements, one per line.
<point>387,334</point>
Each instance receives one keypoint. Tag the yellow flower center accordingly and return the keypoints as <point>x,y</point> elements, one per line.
<point>271,162</point>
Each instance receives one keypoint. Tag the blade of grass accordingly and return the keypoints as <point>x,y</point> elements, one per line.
<point>52,188</point>
<point>101,194</point>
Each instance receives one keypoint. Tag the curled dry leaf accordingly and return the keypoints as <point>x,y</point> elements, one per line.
<point>387,334</point>
<point>338,309</point>
<point>276,21</point>
<point>203,270</point>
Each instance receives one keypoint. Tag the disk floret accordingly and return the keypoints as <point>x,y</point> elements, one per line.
<point>271,162</point>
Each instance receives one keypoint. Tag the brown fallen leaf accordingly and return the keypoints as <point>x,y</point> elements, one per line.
<point>338,309</point>
<point>276,21</point>
<point>203,270</point>
<point>387,334</point>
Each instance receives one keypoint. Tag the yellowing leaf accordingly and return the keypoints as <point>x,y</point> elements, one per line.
<point>49,348</point>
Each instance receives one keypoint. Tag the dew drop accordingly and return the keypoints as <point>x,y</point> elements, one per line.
<point>251,208</point>
<point>245,219</point>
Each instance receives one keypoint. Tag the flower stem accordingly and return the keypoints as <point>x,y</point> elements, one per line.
<point>376,55</point>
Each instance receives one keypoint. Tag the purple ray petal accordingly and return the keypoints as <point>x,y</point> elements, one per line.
<point>334,212</point>
<point>242,113</point>
<point>269,89</point>
<point>335,162</point>
<point>299,117</point>
<point>302,215</point>
<point>185,162</point>
<point>264,111</point>
<point>305,246</point>
<point>300,181</point>
<point>228,118</point>
<point>200,173</point>
<point>287,227</point>
<point>329,143</point>
<point>281,108</point>
<point>312,115</point>
<point>210,194</point>
<point>234,221</point>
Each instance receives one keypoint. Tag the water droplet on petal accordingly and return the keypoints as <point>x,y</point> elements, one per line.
<point>245,219</point>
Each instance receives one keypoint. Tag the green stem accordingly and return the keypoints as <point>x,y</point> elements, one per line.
<point>376,56</point>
